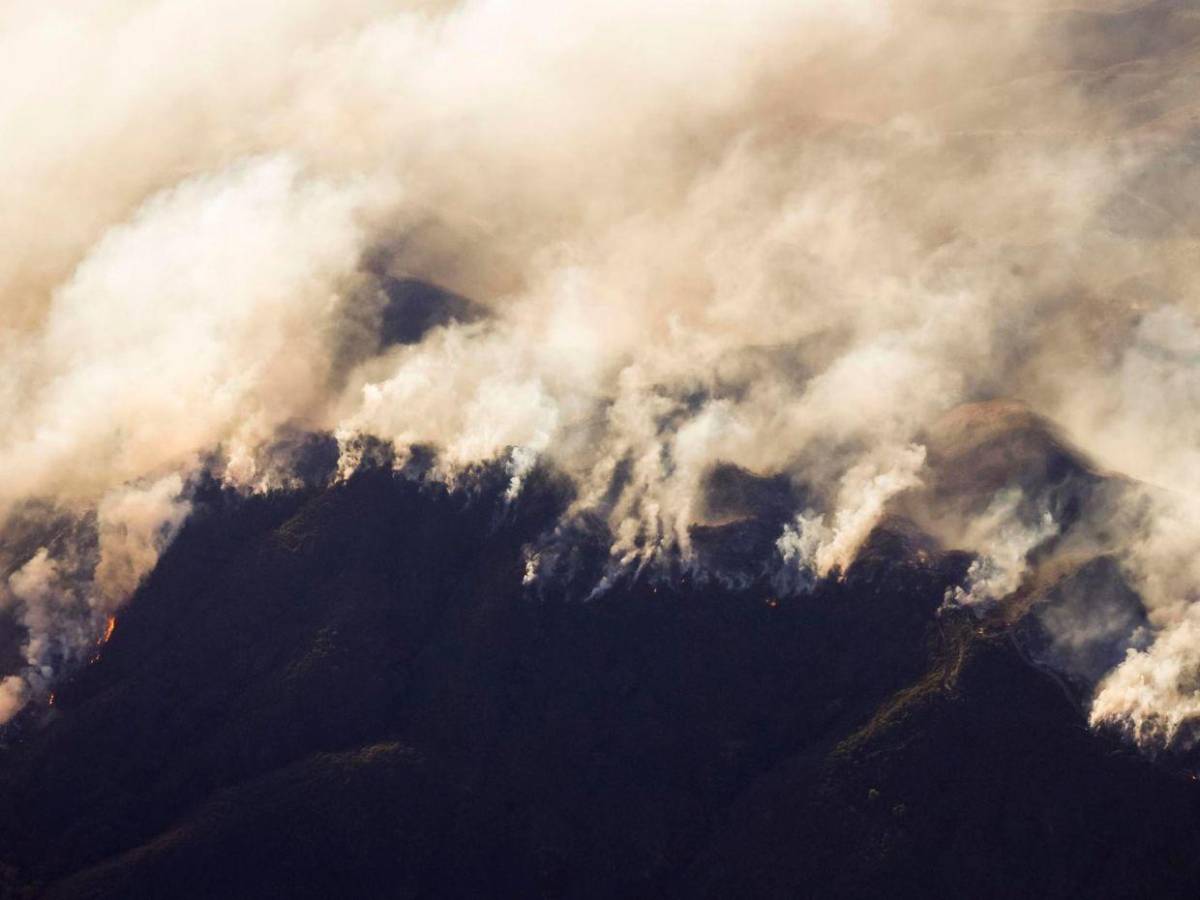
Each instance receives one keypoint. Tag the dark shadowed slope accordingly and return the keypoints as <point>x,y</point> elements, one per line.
<point>346,692</point>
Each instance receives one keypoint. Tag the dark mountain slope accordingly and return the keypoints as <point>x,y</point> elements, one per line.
<point>977,781</point>
<point>347,692</point>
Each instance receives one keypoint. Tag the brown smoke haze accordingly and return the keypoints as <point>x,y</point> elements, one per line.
<point>788,236</point>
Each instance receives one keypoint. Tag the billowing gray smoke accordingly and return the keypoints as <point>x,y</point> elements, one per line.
<point>788,236</point>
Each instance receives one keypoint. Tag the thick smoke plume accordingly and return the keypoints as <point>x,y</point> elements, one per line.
<point>786,236</point>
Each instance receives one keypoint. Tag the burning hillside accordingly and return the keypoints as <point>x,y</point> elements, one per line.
<point>845,355</point>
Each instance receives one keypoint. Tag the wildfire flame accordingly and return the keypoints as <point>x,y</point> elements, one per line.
<point>109,627</point>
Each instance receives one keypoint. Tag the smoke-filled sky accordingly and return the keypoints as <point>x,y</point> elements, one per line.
<point>790,236</point>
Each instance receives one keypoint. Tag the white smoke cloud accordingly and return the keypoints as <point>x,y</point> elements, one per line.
<point>64,603</point>
<point>1154,694</point>
<point>811,544</point>
<point>14,694</point>
<point>1006,541</point>
<point>134,525</point>
<point>786,236</point>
